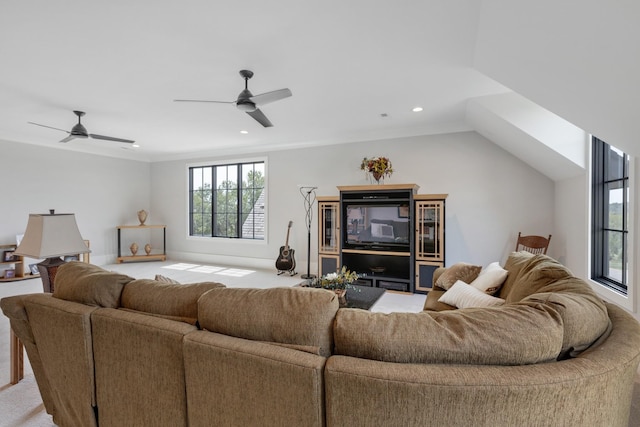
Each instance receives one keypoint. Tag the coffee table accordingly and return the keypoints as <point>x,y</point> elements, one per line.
<point>363,297</point>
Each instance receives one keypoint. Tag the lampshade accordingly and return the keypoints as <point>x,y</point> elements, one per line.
<point>51,235</point>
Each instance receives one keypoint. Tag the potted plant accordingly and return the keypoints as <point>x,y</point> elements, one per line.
<point>377,167</point>
<point>337,282</point>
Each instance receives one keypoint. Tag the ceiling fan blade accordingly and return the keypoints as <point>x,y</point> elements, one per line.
<point>50,127</point>
<point>110,138</point>
<point>265,98</point>
<point>260,118</point>
<point>202,100</point>
<point>69,138</point>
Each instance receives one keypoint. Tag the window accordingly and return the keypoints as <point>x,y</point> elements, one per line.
<point>610,216</point>
<point>227,200</point>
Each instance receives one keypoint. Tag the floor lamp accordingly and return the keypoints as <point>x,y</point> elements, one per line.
<point>51,236</point>
<point>309,196</point>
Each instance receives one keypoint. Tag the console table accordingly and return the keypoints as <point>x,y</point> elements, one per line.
<point>145,257</point>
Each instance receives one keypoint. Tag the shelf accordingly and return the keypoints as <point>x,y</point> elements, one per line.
<point>146,257</point>
<point>25,277</point>
<point>140,226</point>
<point>374,252</point>
<point>139,258</point>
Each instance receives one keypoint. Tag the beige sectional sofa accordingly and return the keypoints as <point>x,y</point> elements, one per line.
<point>108,349</point>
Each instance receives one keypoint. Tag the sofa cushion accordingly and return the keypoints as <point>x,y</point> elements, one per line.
<point>584,314</point>
<point>515,262</point>
<point>470,336</point>
<point>537,271</point>
<point>298,316</point>
<point>89,284</point>
<point>462,295</point>
<point>176,302</point>
<point>433,303</point>
<point>165,279</point>
<point>459,271</point>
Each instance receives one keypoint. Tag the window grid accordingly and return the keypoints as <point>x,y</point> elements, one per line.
<point>227,200</point>
<point>610,200</point>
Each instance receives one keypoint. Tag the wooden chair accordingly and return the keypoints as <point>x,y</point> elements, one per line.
<point>533,244</point>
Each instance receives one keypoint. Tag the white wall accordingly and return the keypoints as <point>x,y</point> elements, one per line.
<point>576,58</point>
<point>492,196</point>
<point>102,192</point>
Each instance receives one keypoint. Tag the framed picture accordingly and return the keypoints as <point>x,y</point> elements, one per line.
<point>9,274</point>
<point>403,211</point>
<point>8,256</point>
<point>34,269</point>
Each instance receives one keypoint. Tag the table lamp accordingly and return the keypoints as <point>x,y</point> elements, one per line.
<point>51,236</point>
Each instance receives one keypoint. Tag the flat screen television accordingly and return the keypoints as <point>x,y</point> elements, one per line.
<point>376,225</point>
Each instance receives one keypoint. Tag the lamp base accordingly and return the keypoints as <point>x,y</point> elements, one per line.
<point>48,269</point>
<point>308,276</point>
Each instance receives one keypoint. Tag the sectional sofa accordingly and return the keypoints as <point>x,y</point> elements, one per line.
<point>111,350</point>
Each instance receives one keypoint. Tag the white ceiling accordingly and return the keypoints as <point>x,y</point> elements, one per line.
<point>346,62</point>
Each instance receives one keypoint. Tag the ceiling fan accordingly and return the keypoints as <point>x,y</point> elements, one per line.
<point>79,131</point>
<point>248,102</point>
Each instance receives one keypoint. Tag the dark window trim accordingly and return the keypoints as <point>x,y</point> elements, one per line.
<point>239,214</point>
<point>599,223</point>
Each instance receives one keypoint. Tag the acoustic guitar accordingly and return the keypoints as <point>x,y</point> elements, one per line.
<point>286,262</point>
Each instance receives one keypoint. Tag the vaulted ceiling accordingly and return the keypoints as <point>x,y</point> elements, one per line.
<point>356,70</point>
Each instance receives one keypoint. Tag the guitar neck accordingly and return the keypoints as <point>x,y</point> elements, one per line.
<point>286,243</point>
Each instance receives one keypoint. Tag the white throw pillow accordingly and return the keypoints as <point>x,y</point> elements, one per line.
<point>490,278</point>
<point>462,295</point>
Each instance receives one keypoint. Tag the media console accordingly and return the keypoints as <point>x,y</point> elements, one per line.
<point>388,233</point>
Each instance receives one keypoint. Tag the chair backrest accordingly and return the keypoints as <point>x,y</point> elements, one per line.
<point>533,244</point>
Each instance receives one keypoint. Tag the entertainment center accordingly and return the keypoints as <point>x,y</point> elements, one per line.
<point>388,233</point>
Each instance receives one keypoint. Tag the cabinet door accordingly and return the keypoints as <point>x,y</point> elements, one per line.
<point>424,275</point>
<point>329,222</point>
<point>429,230</point>
<point>328,264</point>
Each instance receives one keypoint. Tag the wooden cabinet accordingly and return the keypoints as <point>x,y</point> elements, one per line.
<point>141,255</point>
<point>429,238</point>
<point>409,261</point>
<point>12,266</point>
<point>328,235</point>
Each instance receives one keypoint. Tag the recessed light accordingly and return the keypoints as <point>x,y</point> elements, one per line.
<point>244,132</point>
<point>417,109</point>
<point>135,146</point>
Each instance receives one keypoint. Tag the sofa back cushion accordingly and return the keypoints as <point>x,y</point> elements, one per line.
<point>139,369</point>
<point>515,262</point>
<point>175,302</point>
<point>537,272</point>
<point>62,332</point>
<point>514,334</point>
<point>296,317</point>
<point>585,317</point>
<point>89,284</point>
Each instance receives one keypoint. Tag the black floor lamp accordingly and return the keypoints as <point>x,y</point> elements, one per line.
<point>309,195</point>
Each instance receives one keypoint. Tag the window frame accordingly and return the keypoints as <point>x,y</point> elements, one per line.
<point>238,163</point>
<point>601,184</point>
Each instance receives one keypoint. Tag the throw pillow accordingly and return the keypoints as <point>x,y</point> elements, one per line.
<point>462,295</point>
<point>89,284</point>
<point>460,271</point>
<point>165,279</point>
<point>490,278</point>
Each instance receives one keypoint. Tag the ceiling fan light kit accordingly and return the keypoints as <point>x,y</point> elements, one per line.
<point>249,103</point>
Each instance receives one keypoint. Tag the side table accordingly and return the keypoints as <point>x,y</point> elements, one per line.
<point>17,358</point>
